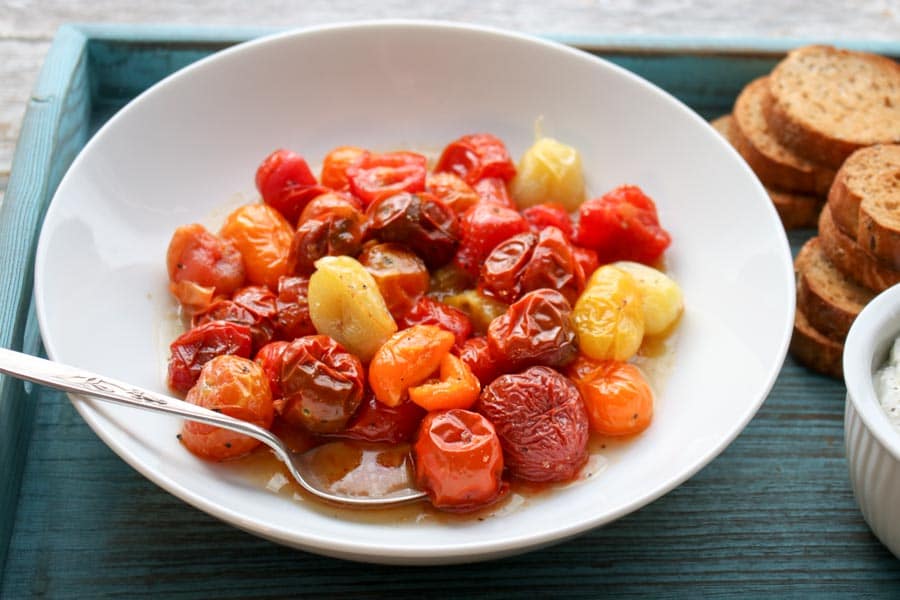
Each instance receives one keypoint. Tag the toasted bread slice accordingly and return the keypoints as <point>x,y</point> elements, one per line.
<point>851,259</point>
<point>814,350</point>
<point>865,201</point>
<point>796,211</point>
<point>777,166</point>
<point>827,102</point>
<point>829,300</point>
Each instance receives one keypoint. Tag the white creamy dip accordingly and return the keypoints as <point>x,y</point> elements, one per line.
<point>887,385</point>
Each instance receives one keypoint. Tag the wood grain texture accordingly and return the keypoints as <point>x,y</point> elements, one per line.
<point>27,26</point>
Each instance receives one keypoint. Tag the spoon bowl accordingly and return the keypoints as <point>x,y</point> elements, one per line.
<point>302,466</point>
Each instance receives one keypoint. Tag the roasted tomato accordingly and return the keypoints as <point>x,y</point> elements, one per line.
<point>292,318</point>
<point>375,421</point>
<point>253,306</point>
<point>459,461</point>
<point>450,189</point>
<point>339,232</point>
<point>588,260</point>
<point>263,237</point>
<point>548,214</point>
<point>622,225</point>
<point>429,311</point>
<point>476,353</point>
<point>401,275</point>
<point>234,386</point>
<point>535,330</point>
<point>475,157</point>
<point>618,399</point>
<point>197,346</point>
<point>482,227</point>
<point>374,177</point>
<point>286,183</point>
<point>202,266</point>
<point>528,262</point>
<point>455,387</point>
<point>335,165</point>
<point>321,384</point>
<point>493,190</point>
<point>541,421</point>
<point>408,358</point>
<point>420,221</point>
<point>269,358</point>
<point>326,204</point>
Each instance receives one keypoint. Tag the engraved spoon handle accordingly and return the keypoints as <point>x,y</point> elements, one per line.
<point>71,379</point>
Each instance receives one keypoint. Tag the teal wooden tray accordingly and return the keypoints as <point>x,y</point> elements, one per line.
<point>773,516</point>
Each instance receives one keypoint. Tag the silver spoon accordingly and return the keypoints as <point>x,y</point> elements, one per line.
<point>71,379</point>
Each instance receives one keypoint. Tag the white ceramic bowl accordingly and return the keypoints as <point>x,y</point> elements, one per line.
<point>872,443</point>
<point>187,150</point>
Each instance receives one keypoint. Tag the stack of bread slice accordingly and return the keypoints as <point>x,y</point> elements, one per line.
<point>825,124</point>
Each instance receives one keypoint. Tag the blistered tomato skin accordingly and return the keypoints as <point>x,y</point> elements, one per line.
<point>459,460</point>
<point>336,233</point>
<point>253,306</point>
<point>502,270</point>
<point>622,225</point>
<point>535,330</point>
<point>476,353</point>
<point>321,384</point>
<point>420,221</point>
<point>541,421</point>
<point>263,237</point>
<point>401,275</point>
<point>236,387</point>
<point>618,398</point>
<point>493,190</point>
<point>549,214</point>
<point>428,311</point>
<point>329,203</point>
<point>475,157</point>
<point>286,183</point>
<point>450,189</point>
<point>374,177</point>
<point>198,259</point>
<point>269,358</point>
<point>482,227</point>
<point>335,165</point>
<point>292,318</point>
<point>407,359</point>
<point>197,346</point>
<point>375,421</point>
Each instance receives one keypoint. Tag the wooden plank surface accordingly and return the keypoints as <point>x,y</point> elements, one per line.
<point>27,26</point>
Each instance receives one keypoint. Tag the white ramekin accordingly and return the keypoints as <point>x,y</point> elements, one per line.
<point>872,443</point>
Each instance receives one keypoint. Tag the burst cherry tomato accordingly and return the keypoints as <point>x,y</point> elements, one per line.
<point>456,387</point>
<point>459,461</point>
<point>321,384</point>
<point>428,311</point>
<point>401,276</point>
<point>475,157</point>
<point>202,266</point>
<point>336,233</point>
<point>450,189</point>
<point>197,346</point>
<point>234,386</point>
<point>482,227</point>
<point>375,421</point>
<point>263,237</point>
<point>493,190</point>
<point>334,167</point>
<point>622,225</point>
<point>269,358</point>
<point>541,421</point>
<point>476,353</point>
<point>548,214</point>
<point>619,400</point>
<point>408,358</point>
<point>420,221</point>
<point>292,318</point>
<point>286,183</point>
<point>376,176</point>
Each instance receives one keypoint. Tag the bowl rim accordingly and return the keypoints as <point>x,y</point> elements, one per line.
<point>879,319</point>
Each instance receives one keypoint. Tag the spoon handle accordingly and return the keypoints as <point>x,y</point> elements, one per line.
<point>71,379</point>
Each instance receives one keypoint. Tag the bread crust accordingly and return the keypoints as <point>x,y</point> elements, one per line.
<point>829,300</point>
<point>853,260</point>
<point>796,211</point>
<point>865,201</point>
<point>776,165</point>
<point>829,102</point>
<point>814,350</point>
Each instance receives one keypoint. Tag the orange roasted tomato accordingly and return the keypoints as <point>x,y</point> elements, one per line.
<point>202,266</point>
<point>234,386</point>
<point>264,238</point>
<point>459,461</point>
<point>407,359</point>
<point>618,399</point>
